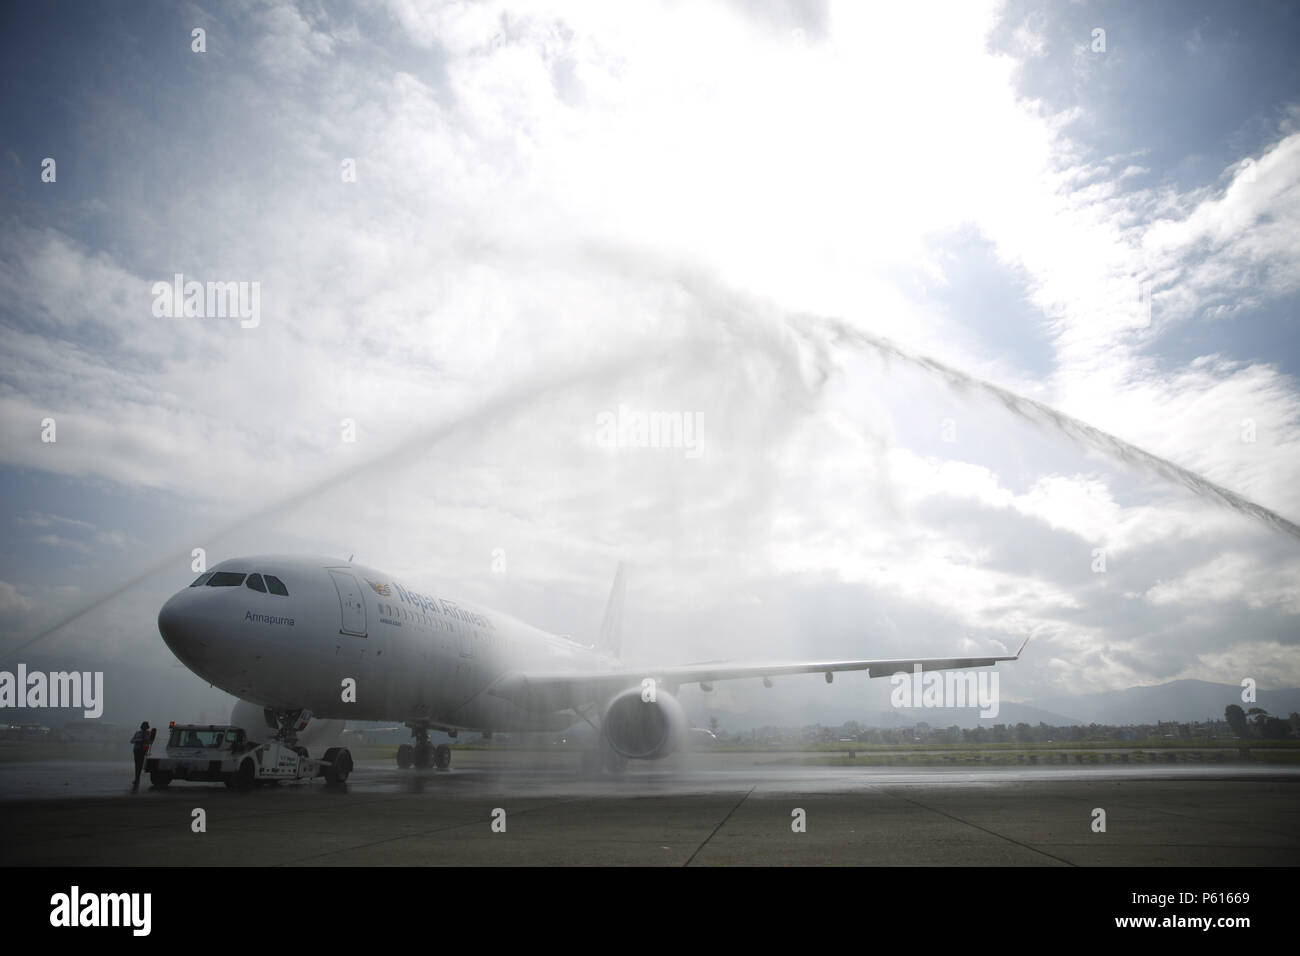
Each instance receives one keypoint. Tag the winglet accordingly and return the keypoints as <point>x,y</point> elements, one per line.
<point>1023,645</point>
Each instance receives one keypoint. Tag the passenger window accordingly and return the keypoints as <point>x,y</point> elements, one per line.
<point>226,579</point>
<point>276,586</point>
<point>201,580</point>
<point>255,582</point>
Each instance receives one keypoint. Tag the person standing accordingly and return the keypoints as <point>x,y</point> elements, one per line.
<point>140,741</point>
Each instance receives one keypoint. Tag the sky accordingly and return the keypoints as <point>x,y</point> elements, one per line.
<point>476,228</point>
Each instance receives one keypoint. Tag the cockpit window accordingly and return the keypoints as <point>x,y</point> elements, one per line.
<point>201,580</point>
<point>226,579</point>
<point>276,586</point>
<point>255,582</point>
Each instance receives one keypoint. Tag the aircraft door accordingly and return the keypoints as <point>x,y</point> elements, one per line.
<point>351,607</point>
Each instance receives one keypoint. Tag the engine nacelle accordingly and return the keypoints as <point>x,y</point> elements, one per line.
<point>315,735</point>
<point>642,729</point>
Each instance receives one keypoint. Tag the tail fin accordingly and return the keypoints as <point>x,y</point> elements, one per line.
<point>611,628</point>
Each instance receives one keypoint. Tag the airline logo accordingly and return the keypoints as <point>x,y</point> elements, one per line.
<point>383,590</point>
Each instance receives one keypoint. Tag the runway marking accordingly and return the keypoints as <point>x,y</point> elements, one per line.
<point>138,829</point>
<point>719,826</point>
<point>1001,836</point>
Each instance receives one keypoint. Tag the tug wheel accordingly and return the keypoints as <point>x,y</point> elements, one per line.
<point>340,764</point>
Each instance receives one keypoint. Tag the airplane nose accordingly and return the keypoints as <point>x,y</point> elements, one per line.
<point>178,625</point>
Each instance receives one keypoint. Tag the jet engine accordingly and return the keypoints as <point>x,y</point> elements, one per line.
<point>645,726</point>
<point>313,733</point>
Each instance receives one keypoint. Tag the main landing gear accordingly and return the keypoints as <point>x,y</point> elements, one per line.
<point>422,754</point>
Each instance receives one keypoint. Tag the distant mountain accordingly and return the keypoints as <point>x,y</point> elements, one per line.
<point>1181,700</point>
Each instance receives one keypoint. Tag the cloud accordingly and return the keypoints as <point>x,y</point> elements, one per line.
<point>12,600</point>
<point>1233,577</point>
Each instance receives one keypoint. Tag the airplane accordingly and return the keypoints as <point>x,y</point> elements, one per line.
<point>303,639</point>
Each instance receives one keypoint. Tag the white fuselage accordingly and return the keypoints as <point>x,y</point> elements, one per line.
<point>411,654</point>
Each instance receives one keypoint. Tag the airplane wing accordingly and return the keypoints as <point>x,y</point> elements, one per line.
<point>561,690</point>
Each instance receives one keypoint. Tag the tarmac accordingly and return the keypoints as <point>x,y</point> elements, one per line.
<point>497,809</point>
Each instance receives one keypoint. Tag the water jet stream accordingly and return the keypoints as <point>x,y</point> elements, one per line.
<point>1040,414</point>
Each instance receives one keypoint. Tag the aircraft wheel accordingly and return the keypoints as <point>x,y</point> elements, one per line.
<point>423,754</point>
<point>442,756</point>
<point>405,756</point>
<point>340,764</point>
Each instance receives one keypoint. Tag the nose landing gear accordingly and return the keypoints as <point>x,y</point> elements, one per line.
<point>287,723</point>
